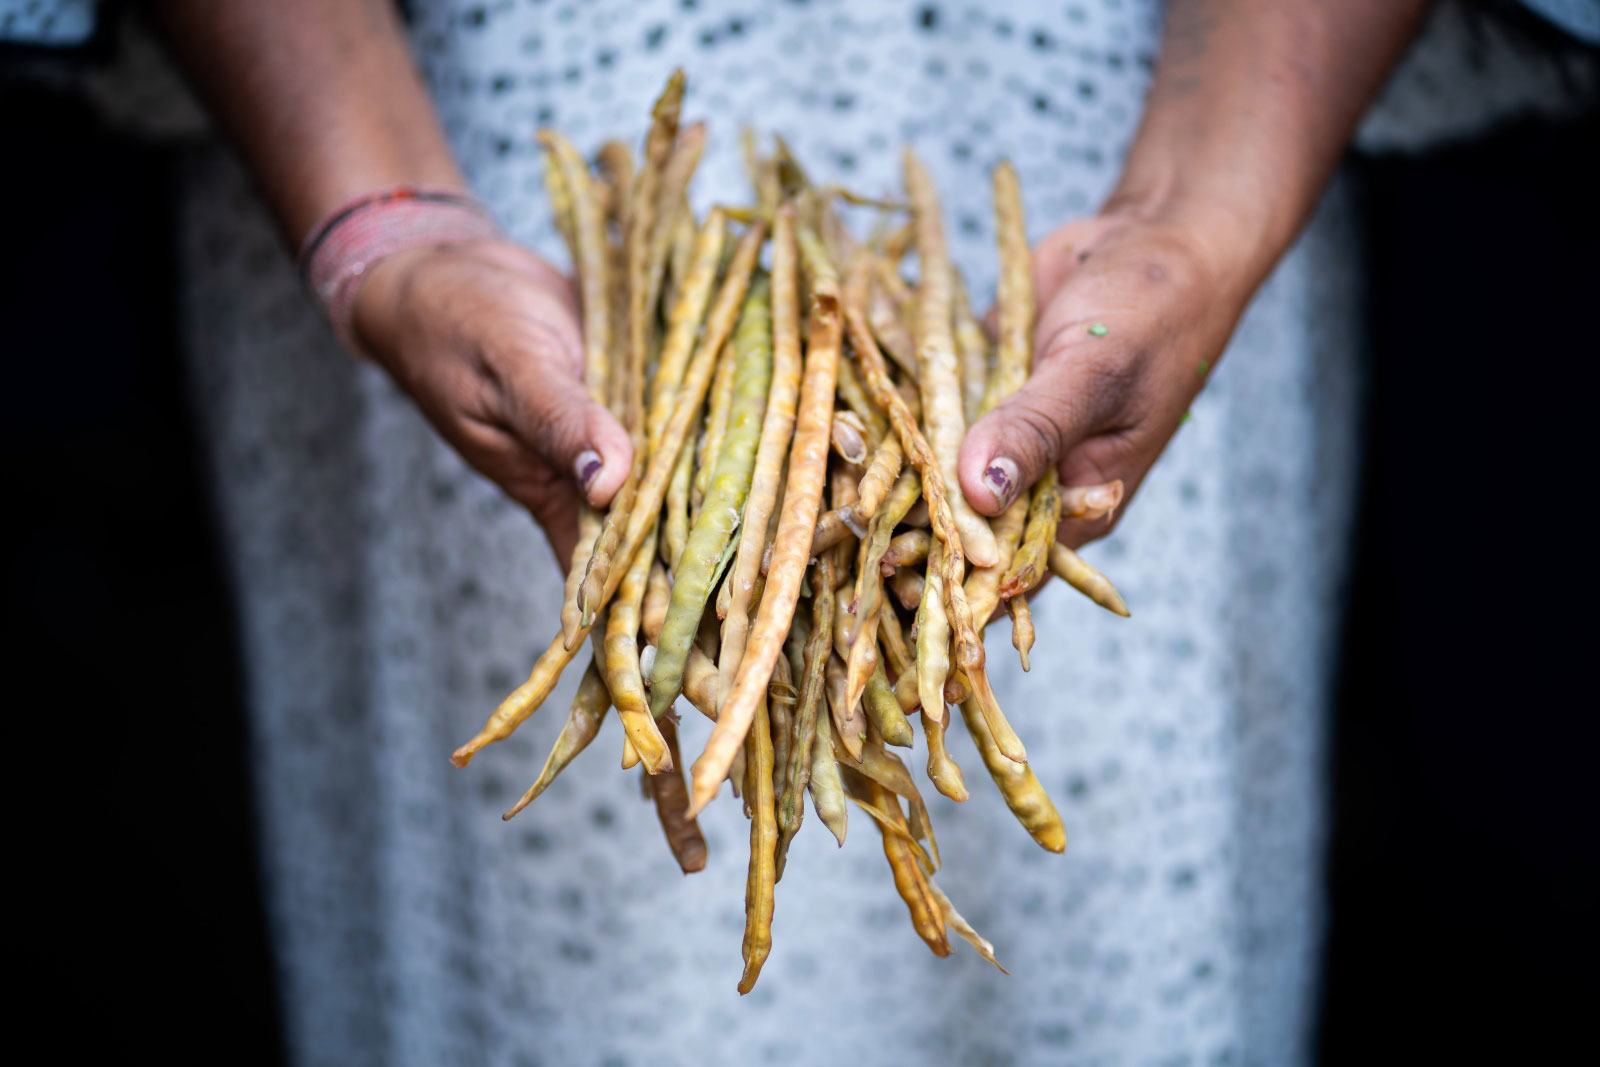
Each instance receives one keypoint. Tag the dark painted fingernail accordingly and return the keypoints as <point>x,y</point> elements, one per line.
<point>1000,477</point>
<point>587,467</point>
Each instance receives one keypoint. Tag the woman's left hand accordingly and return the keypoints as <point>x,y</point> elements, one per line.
<point>1133,315</point>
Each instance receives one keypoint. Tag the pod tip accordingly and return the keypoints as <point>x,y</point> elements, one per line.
<point>463,755</point>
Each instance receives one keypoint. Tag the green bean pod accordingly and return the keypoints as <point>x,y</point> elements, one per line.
<point>719,513</point>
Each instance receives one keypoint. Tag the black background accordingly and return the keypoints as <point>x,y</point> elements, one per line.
<point>1463,875</point>
<point>1464,854</point>
<point>139,925</point>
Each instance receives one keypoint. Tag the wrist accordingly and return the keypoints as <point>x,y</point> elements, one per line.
<point>342,250</point>
<point>1237,237</point>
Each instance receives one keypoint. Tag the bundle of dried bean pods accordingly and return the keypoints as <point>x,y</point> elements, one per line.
<point>790,551</point>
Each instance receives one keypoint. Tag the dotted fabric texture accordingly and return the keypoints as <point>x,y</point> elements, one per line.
<point>389,598</point>
<point>1581,18</point>
<point>51,23</point>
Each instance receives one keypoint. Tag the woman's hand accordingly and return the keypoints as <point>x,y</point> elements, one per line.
<point>484,337</point>
<point>1133,315</point>
<point>1251,106</point>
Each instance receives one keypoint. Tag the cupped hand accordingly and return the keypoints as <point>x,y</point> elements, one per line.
<point>484,336</point>
<point>1133,315</point>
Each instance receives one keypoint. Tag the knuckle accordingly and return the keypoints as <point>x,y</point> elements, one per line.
<point>1054,343</point>
<point>1040,433</point>
<point>557,438</point>
<point>1174,259</point>
<point>543,341</point>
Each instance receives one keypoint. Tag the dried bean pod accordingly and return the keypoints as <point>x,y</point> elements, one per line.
<point>670,792</point>
<point>1018,786</point>
<point>759,887</point>
<point>589,706</point>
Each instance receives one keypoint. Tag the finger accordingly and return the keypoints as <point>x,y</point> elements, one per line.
<point>550,284</point>
<point>1075,533</point>
<point>574,434</point>
<point>550,411</point>
<point>562,286</point>
<point>506,460</point>
<point>559,521</point>
<point>1008,449</point>
<point>1123,457</point>
<point>1055,257</point>
<point>552,503</point>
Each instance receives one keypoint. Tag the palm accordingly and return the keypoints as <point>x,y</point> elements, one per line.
<point>485,338</point>
<point>1129,323</point>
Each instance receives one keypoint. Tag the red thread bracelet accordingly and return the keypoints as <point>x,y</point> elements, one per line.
<point>358,235</point>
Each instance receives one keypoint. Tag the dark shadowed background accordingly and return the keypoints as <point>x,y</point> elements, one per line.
<point>1463,873</point>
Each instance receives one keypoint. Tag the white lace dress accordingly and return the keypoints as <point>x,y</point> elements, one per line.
<point>389,597</point>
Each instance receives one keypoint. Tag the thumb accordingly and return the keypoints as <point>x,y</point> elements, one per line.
<point>1009,448</point>
<point>555,416</point>
<point>1026,434</point>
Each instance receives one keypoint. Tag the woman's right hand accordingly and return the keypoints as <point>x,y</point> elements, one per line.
<point>484,336</point>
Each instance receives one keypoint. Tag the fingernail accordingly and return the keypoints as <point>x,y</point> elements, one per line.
<point>1000,476</point>
<point>1102,497</point>
<point>587,466</point>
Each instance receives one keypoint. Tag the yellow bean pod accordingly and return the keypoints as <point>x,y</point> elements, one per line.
<point>1018,785</point>
<point>762,879</point>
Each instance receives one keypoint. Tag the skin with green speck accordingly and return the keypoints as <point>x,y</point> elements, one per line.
<point>1099,329</point>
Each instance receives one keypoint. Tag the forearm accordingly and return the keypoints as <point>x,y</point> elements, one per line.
<point>322,99</point>
<point>1252,105</point>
